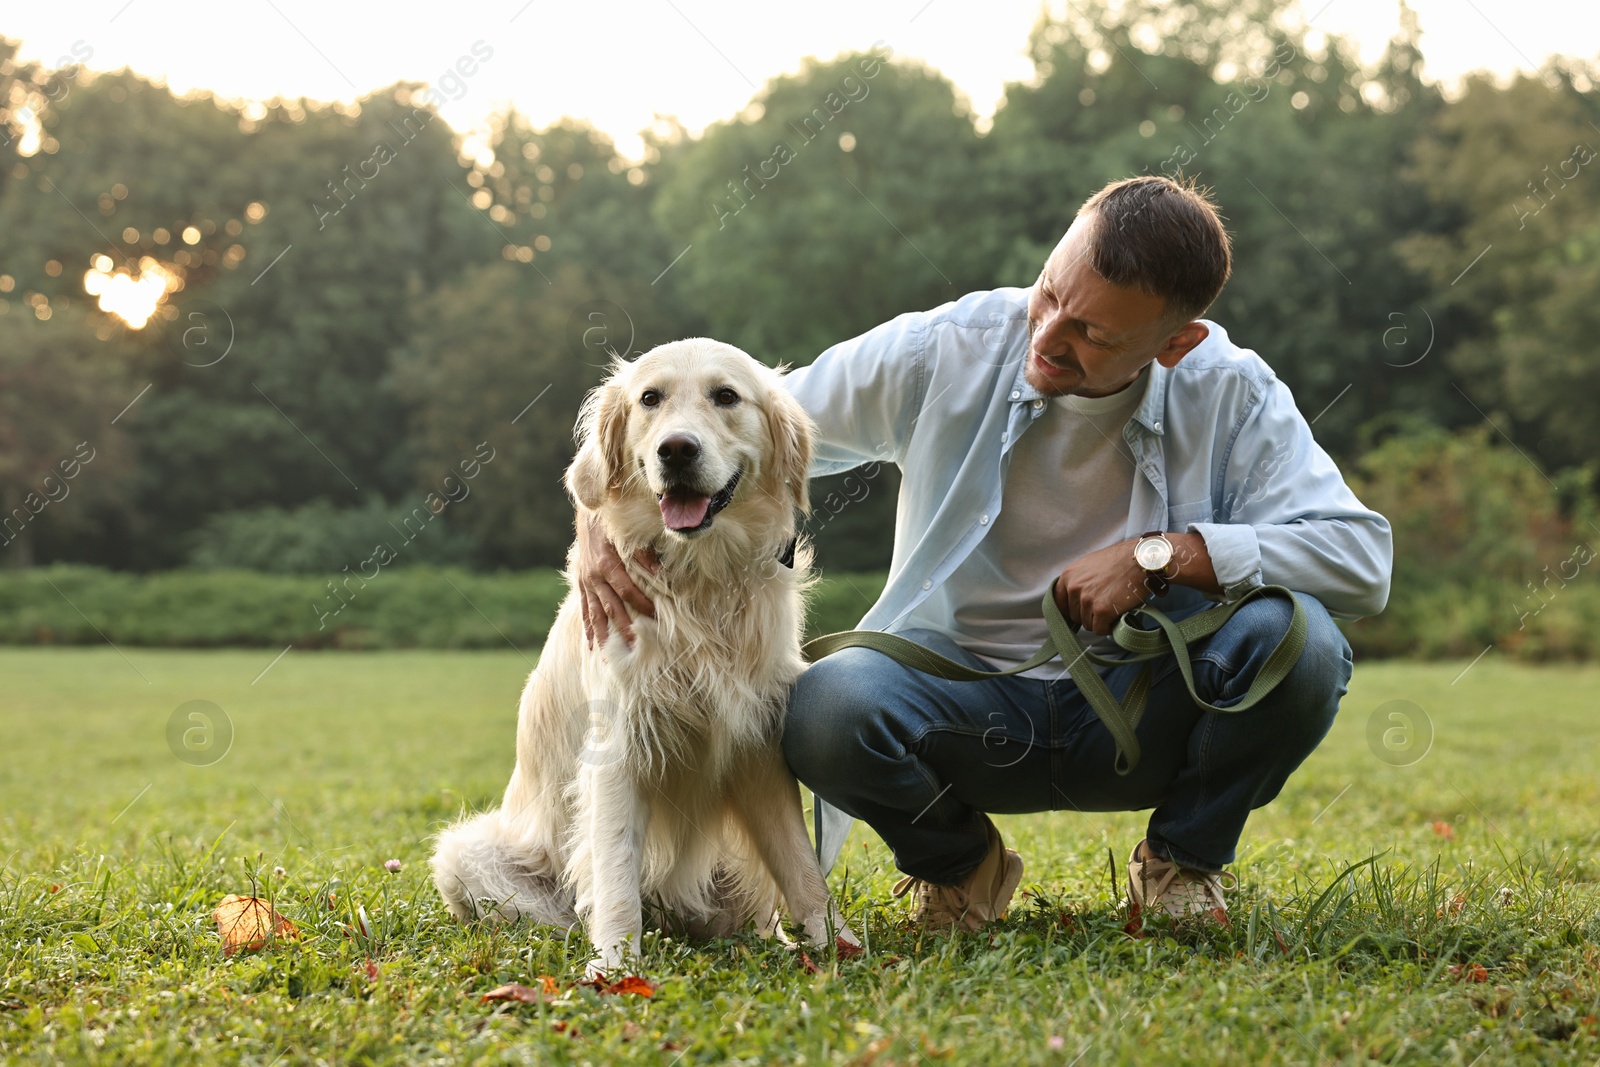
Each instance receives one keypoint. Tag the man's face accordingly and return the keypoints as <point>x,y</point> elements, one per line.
<point>1087,337</point>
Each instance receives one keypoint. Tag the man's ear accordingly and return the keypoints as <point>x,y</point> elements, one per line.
<point>1182,342</point>
<point>597,469</point>
<point>792,431</point>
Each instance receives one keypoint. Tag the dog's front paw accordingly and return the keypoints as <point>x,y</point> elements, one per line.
<point>607,961</point>
<point>821,932</point>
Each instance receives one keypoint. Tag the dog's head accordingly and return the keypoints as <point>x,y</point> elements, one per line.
<point>697,427</point>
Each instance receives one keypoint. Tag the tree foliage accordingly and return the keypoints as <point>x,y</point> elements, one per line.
<point>357,298</point>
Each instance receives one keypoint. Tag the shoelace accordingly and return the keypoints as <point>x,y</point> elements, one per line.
<point>925,893</point>
<point>1207,885</point>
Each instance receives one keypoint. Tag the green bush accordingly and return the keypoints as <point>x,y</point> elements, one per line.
<point>421,606</point>
<point>1489,551</point>
<point>318,538</point>
<point>417,607</point>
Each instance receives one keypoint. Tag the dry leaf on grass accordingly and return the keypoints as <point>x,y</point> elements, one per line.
<point>631,984</point>
<point>517,992</point>
<point>249,923</point>
<point>548,989</point>
<point>846,950</point>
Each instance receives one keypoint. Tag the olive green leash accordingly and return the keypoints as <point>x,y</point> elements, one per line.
<point>1169,638</point>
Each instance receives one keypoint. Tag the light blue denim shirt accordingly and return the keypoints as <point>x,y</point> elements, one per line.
<point>1221,451</point>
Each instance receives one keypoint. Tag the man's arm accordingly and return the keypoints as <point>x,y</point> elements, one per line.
<point>1286,517</point>
<point>864,395</point>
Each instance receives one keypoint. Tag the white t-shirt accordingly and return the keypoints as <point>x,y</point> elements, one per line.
<point>1067,493</point>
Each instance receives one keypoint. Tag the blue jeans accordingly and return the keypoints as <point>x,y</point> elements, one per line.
<point>920,759</point>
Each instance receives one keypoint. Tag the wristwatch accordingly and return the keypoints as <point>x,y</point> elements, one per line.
<point>1153,553</point>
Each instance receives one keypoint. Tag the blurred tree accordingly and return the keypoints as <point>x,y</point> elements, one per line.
<point>1516,263</point>
<point>61,456</point>
<point>1303,153</point>
<point>841,196</point>
<point>352,293</point>
<point>293,235</point>
<point>502,359</point>
<point>569,199</point>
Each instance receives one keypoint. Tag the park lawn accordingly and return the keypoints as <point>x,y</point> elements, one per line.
<point>1442,912</point>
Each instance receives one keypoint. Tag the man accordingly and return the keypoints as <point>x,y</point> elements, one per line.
<point>1046,434</point>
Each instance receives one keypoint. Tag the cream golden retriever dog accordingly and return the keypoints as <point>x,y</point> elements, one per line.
<point>650,777</point>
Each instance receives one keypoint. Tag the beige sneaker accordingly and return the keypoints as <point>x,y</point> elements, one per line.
<point>1161,886</point>
<point>983,895</point>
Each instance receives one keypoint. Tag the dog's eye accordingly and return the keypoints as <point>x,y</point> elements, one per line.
<point>651,398</point>
<point>725,397</point>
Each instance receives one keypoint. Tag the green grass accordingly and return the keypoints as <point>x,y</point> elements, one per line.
<point>1352,911</point>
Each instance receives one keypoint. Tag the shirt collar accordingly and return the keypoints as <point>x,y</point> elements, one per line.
<point>1148,414</point>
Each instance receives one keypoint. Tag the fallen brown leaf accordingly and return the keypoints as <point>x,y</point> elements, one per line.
<point>630,984</point>
<point>633,985</point>
<point>846,950</point>
<point>806,964</point>
<point>516,992</point>
<point>249,923</point>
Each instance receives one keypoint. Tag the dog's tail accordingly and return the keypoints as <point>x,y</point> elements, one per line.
<point>484,866</point>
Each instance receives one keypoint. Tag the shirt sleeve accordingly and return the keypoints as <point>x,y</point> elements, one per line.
<point>1289,518</point>
<point>864,394</point>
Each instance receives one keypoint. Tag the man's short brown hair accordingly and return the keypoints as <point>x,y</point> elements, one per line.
<point>1162,238</point>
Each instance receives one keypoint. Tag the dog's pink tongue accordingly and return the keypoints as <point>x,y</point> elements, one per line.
<point>684,512</point>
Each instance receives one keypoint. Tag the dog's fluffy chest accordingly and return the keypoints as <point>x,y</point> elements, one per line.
<point>707,665</point>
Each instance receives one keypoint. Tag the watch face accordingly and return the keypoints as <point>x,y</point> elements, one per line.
<point>1153,553</point>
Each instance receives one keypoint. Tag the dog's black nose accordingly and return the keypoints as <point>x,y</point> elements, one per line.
<point>678,451</point>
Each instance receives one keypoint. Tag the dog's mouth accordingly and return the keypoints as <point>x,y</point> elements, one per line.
<point>685,510</point>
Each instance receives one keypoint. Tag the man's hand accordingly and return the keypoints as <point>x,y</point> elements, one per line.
<point>1103,586</point>
<point>603,583</point>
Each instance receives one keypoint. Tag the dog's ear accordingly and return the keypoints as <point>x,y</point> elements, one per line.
<point>792,431</point>
<point>602,427</point>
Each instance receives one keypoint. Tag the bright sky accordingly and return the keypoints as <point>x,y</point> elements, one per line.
<point>620,64</point>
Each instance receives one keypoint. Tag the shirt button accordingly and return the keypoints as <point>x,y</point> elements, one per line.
<point>1016,395</point>
<point>1005,437</point>
<point>1156,426</point>
<point>983,520</point>
<point>1038,405</point>
<point>927,585</point>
